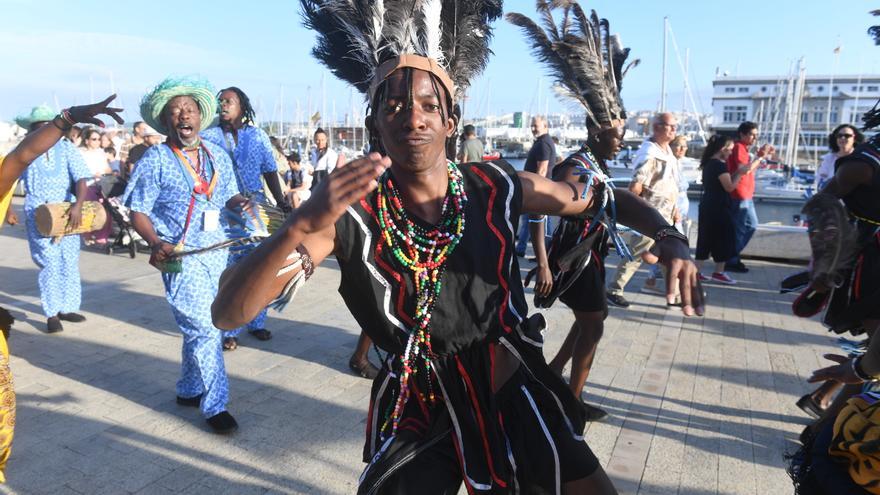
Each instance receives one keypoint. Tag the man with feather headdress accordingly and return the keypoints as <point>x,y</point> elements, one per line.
<point>844,236</point>
<point>426,253</point>
<point>588,64</point>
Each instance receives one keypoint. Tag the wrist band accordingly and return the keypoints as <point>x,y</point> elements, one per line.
<point>670,231</point>
<point>60,127</point>
<point>65,116</point>
<point>538,220</point>
<point>856,363</point>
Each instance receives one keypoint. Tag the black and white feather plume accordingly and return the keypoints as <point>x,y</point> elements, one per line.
<point>356,36</point>
<point>587,62</point>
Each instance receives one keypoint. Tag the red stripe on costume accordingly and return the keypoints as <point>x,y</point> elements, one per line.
<point>377,258</point>
<point>501,280</point>
<point>467,485</point>
<point>476,405</point>
<point>492,366</point>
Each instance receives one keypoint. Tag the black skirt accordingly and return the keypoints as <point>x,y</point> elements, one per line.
<point>716,236</point>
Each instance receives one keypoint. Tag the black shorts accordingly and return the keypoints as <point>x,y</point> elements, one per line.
<point>587,292</point>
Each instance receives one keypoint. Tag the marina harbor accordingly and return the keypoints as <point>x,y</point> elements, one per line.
<point>696,405</point>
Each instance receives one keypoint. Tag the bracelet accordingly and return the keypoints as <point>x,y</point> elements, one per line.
<point>65,116</point>
<point>856,363</point>
<point>670,231</point>
<point>538,220</point>
<point>60,127</point>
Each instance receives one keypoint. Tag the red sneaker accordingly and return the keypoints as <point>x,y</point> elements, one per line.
<point>704,278</point>
<point>723,278</point>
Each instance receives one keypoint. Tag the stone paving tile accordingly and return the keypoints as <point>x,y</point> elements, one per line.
<point>697,405</point>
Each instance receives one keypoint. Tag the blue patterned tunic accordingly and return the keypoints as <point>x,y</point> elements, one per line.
<point>161,188</point>
<point>251,158</point>
<point>52,178</point>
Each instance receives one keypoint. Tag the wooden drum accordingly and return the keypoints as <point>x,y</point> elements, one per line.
<point>51,219</point>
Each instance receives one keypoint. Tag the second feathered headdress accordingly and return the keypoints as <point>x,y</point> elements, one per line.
<point>364,41</point>
<point>586,61</point>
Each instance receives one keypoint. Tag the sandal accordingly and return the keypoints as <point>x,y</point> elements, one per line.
<point>230,343</point>
<point>364,369</point>
<point>261,334</point>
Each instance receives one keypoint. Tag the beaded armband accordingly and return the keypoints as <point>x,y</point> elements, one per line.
<point>300,260</point>
<point>670,232</point>
<point>856,363</point>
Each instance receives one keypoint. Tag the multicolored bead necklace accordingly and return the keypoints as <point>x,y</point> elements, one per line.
<point>423,253</point>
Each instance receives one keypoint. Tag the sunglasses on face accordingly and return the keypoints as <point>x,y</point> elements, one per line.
<point>845,136</point>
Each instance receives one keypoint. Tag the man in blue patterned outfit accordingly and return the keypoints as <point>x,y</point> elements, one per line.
<point>50,179</point>
<point>176,195</point>
<point>252,160</point>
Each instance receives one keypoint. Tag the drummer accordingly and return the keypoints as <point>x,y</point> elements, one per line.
<point>52,178</point>
<point>37,144</point>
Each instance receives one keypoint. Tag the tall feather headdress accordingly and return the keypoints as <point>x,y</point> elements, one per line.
<point>583,57</point>
<point>361,40</point>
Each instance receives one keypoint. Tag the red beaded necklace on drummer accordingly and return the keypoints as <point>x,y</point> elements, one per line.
<point>422,253</point>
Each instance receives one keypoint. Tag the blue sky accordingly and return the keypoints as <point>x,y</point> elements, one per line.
<point>69,51</point>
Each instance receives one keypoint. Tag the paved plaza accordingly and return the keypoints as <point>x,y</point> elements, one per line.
<point>697,405</point>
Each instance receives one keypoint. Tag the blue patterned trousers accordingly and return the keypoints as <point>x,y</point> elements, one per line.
<point>191,293</point>
<point>59,282</point>
<point>259,322</point>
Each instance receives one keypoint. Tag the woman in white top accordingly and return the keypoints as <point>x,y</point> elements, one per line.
<point>96,160</point>
<point>323,157</point>
<point>93,154</point>
<point>841,142</point>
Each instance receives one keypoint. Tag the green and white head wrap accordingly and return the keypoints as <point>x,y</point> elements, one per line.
<point>198,89</point>
<point>41,113</point>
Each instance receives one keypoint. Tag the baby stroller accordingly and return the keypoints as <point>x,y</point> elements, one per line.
<point>123,234</point>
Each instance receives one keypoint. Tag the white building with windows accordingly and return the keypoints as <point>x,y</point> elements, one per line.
<point>764,100</point>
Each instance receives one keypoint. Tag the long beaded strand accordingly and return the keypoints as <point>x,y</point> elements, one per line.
<point>423,253</point>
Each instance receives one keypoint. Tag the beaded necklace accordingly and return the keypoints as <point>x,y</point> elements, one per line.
<point>423,253</point>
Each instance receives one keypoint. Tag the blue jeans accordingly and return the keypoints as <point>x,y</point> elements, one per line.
<point>745,222</point>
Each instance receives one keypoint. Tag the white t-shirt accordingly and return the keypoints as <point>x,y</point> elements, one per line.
<point>96,160</point>
<point>328,161</point>
<point>825,171</point>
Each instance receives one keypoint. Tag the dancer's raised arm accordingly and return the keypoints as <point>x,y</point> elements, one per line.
<point>250,285</point>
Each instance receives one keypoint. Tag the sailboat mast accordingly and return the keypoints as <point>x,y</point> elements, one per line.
<point>855,110</point>
<point>663,71</point>
<point>831,89</point>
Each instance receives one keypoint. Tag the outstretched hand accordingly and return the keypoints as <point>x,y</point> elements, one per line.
<point>841,372</point>
<point>345,185</point>
<point>86,114</point>
<point>682,273</point>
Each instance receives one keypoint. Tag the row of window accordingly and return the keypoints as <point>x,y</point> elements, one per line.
<point>739,113</point>
<point>745,89</point>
